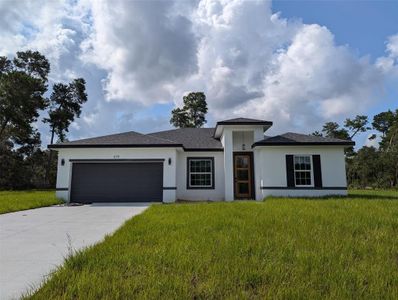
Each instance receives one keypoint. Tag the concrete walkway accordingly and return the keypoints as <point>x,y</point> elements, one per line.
<point>34,242</point>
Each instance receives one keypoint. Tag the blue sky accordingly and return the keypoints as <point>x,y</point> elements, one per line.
<point>315,61</point>
<point>363,25</point>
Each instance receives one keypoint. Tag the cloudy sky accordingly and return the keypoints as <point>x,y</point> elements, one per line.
<point>298,64</point>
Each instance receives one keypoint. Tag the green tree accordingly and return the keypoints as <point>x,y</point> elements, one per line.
<point>365,169</point>
<point>317,133</point>
<point>356,125</point>
<point>12,171</point>
<point>333,130</point>
<point>387,124</point>
<point>376,167</point>
<point>383,121</point>
<point>66,102</point>
<point>351,128</point>
<point>193,112</point>
<point>23,82</point>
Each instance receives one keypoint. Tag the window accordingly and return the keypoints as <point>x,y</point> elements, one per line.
<point>200,173</point>
<point>302,170</point>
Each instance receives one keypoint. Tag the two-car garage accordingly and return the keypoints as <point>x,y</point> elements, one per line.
<point>117,181</point>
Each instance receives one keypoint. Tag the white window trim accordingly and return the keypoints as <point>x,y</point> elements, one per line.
<point>206,173</point>
<point>311,171</point>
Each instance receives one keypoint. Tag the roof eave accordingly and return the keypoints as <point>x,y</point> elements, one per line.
<point>266,123</point>
<point>203,149</point>
<point>59,146</point>
<point>345,144</point>
<point>218,133</point>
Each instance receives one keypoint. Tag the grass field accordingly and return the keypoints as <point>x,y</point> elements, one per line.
<point>341,248</point>
<point>20,200</point>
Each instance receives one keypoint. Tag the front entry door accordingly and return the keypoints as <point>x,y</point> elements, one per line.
<point>243,175</point>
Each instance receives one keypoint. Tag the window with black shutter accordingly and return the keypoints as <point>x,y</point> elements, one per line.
<point>289,171</point>
<point>302,170</point>
<point>316,160</point>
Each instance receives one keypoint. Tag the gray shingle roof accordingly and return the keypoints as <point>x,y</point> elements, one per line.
<point>291,138</point>
<point>189,138</point>
<point>244,121</point>
<point>126,139</point>
<point>192,138</point>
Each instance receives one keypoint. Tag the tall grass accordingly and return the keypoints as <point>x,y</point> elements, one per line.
<point>280,248</point>
<point>11,201</point>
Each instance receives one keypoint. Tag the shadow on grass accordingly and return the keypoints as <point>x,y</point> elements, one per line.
<point>350,196</point>
<point>371,197</point>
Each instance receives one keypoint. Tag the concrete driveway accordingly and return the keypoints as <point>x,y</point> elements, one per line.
<point>34,242</point>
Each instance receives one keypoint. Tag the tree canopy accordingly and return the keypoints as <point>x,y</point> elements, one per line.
<point>369,166</point>
<point>23,90</point>
<point>65,104</point>
<point>23,82</point>
<point>193,112</point>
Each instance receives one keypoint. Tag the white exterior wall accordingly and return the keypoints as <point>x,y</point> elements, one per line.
<point>270,170</point>
<point>231,140</point>
<point>269,167</point>
<point>216,194</point>
<point>64,172</point>
<point>240,138</point>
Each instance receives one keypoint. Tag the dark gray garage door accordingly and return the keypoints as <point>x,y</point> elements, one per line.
<point>117,182</point>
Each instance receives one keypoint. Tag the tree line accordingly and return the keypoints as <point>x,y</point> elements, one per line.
<point>24,103</point>
<point>375,167</point>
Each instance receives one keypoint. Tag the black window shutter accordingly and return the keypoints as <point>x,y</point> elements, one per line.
<point>289,171</point>
<point>316,162</point>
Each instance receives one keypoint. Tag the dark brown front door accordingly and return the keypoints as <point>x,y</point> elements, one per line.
<point>243,174</point>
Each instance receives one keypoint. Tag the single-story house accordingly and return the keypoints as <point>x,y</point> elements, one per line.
<point>234,160</point>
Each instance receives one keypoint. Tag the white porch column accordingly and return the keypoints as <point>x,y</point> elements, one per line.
<point>228,164</point>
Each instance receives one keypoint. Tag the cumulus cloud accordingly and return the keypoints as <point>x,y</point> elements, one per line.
<point>314,80</point>
<point>40,25</point>
<point>389,63</point>
<point>137,55</point>
<point>392,46</point>
<point>235,53</point>
<point>143,45</point>
<point>247,59</point>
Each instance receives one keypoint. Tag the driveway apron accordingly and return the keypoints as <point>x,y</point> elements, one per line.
<point>34,242</point>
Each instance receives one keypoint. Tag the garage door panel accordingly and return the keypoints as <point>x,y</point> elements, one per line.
<point>117,182</point>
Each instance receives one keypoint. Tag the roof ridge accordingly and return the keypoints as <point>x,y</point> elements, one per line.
<point>106,135</point>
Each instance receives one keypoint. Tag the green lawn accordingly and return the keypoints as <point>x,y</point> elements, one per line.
<point>20,200</point>
<point>341,248</point>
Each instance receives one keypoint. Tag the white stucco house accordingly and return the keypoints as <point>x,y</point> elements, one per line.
<point>234,160</point>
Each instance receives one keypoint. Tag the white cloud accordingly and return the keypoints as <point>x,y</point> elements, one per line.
<point>389,63</point>
<point>392,46</point>
<point>55,28</point>
<point>248,60</point>
<point>236,49</point>
<point>142,46</point>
